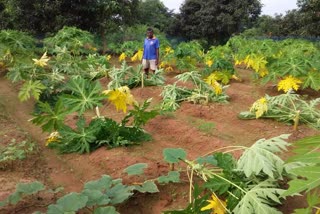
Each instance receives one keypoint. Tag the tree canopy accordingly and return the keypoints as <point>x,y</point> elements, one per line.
<point>42,16</point>
<point>154,13</point>
<point>303,21</point>
<point>216,20</point>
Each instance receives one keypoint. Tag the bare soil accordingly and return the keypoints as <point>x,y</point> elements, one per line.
<point>186,128</point>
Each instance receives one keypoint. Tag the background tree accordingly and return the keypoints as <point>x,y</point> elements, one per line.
<point>155,14</point>
<point>42,16</point>
<point>310,17</point>
<point>304,21</point>
<point>216,20</point>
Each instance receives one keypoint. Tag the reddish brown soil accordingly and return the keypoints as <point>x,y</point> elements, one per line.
<point>176,130</point>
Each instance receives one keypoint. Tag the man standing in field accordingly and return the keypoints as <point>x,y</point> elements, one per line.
<point>150,59</point>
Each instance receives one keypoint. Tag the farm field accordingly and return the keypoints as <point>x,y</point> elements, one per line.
<point>198,129</point>
<point>229,129</point>
<point>226,122</point>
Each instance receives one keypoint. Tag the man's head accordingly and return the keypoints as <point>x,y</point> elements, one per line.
<point>150,33</point>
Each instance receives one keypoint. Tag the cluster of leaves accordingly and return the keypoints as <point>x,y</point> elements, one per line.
<point>188,54</point>
<point>15,151</point>
<point>85,95</point>
<point>47,76</point>
<point>17,42</point>
<point>304,165</point>
<point>16,47</point>
<point>98,196</point>
<point>251,183</point>
<point>99,132</point>
<point>275,60</point>
<point>289,108</point>
<point>168,59</point>
<point>133,77</point>
<point>22,190</point>
<point>75,40</point>
<point>129,47</point>
<point>202,93</point>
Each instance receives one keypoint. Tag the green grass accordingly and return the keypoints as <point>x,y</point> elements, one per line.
<point>204,126</point>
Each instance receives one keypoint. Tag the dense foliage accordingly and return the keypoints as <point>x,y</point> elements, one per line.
<point>304,21</point>
<point>215,21</point>
<point>41,16</point>
<point>251,184</point>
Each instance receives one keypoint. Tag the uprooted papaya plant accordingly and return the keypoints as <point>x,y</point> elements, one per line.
<point>289,108</point>
<point>250,184</point>
<point>201,93</point>
<point>133,77</point>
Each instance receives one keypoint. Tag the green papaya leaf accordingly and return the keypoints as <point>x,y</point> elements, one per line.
<point>308,178</point>
<point>208,159</point>
<point>140,114</point>
<point>14,198</point>
<point>55,209</point>
<point>72,202</point>
<point>148,186</point>
<point>105,210</point>
<point>174,155</point>
<point>259,199</point>
<point>173,176</point>
<point>136,169</point>
<point>225,161</point>
<point>306,150</point>
<point>119,192</point>
<point>101,184</point>
<point>30,188</point>
<point>29,88</point>
<point>78,140</point>
<point>50,119</point>
<point>95,197</point>
<point>261,157</point>
<point>217,185</point>
<point>312,80</point>
<point>84,95</point>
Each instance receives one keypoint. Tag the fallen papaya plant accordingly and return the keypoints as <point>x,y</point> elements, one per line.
<point>202,92</point>
<point>289,108</point>
<point>251,183</point>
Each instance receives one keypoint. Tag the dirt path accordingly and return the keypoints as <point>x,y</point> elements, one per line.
<point>60,172</point>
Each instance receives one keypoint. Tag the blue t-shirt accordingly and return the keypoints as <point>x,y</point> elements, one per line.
<point>150,48</point>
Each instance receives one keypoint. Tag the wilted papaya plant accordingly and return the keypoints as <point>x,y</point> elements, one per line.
<point>251,183</point>
<point>201,93</point>
<point>133,77</point>
<point>289,108</point>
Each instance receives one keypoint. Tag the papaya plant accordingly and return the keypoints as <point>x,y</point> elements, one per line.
<point>218,61</point>
<point>97,196</point>
<point>289,108</point>
<point>251,183</point>
<point>17,42</point>
<point>201,93</point>
<point>101,130</point>
<point>272,60</point>
<point>188,54</point>
<point>75,40</point>
<point>133,77</point>
<point>15,151</point>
